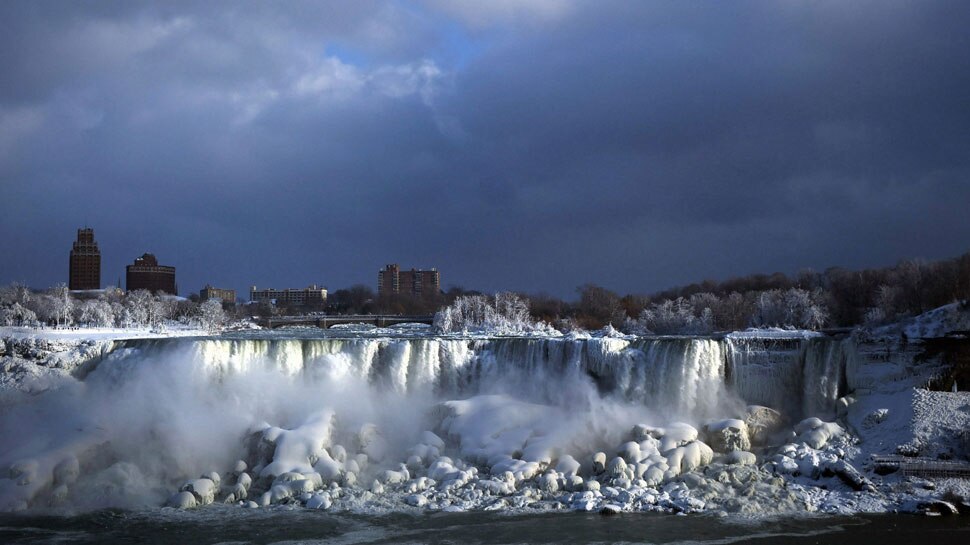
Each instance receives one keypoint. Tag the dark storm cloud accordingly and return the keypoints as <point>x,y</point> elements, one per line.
<point>531,146</point>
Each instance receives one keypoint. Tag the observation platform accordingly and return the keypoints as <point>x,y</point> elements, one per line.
<point>921,467</point>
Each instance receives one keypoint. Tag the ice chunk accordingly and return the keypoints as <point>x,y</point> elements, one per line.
<point>328,468</point>
<point>617,467</point>
<point>400,476</point>
<point>429,438</point>
<point>815,433</point>
<point>629,451</point>
<point>416,500</point>
<point>182,500</point>
<point>762,422</point>
<point>567,465</point>
<point>599,462</point>
<point>549,482</point>
<point>740,457</point>
<point>319,500</point>
<point>727,435</point>
<point>204,490</point>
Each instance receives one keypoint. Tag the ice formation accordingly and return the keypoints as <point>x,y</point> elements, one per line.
<point>424,422</point>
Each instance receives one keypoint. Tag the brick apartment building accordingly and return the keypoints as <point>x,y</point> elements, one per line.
<point>147,274</point>
<point>85,268</point>
<point>312,295</point>
<point>391,280</point>
<point>224,295</point>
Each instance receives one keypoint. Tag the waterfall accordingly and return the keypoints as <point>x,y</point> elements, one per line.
<point>151,412</point>
<point>692,378</point>
<point>797,376</point>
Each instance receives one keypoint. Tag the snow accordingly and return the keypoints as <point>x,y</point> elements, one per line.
<point>938,416</point>
<point>99,333</point>
<point>36,359</point>
<point>952,318</point>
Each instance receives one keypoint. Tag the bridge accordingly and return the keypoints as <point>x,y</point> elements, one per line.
<point>324,321</point>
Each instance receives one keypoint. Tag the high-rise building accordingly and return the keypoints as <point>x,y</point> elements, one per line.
<point>147,274</point>
<point>85,270</point>
<point>391,280</point>
<point>208,292</point>
<point>310,296</point>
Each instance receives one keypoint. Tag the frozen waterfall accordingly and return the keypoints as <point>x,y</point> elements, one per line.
<point>153,412</point>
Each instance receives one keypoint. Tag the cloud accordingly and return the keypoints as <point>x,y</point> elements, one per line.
<point>531,146</point>
<point>481,15</point>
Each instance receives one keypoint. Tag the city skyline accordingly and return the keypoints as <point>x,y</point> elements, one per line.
<point>529,147</point>
<point>86,244</point>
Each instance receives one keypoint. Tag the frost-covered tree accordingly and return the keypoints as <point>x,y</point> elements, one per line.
<point>95,312</point>
<point>164,309</point>
<point>186,312</point>
<point>508,309</point>
<point>677,317</point>
<point>505,313</point>
<point>17,314</point>
<point>211,315</point>
<point>790,308</point>
<point>15,293</point>
<point>140,309</point>
<point>55,306</point>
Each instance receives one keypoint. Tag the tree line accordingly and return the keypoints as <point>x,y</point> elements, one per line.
<point>837,297</point>
<point>59,307</point>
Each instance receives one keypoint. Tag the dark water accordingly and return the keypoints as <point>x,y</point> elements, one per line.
<point>302,526</point>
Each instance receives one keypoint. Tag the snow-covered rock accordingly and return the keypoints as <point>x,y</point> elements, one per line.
<point>727,435</point>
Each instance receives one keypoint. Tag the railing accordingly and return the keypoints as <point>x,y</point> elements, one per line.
<point>924,467</point>
<point>325,321</point>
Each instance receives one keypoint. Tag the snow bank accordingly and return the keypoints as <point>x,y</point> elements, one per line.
<point>80,334</point>
<point>939,322</point>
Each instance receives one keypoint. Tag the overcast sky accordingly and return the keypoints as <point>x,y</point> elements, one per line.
<point>531,146</point>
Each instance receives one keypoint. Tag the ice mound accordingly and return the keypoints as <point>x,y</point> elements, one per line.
<point>496,452</point>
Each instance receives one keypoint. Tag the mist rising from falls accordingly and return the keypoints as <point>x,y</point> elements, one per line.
<point>155,412</point>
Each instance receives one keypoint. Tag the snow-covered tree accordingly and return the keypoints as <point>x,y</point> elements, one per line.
<point>678,317</point>
<point>139,309</point>
<point>56,306</point>
<point>95,312</point>
<point>15,293</point>
<point>505,313</point>
<point>509,309</point>
<point>790,308</point>
<point>888,305</point>
<point>211,315</point>
<point>165,308</point>
<point>17,314</point>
